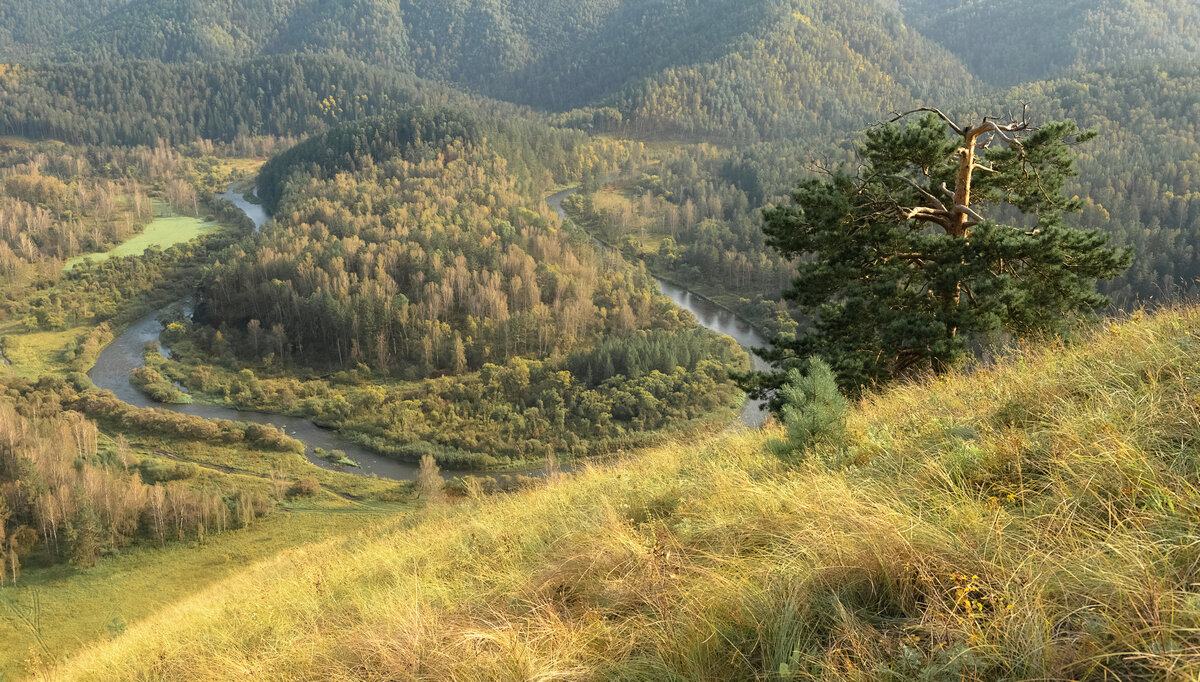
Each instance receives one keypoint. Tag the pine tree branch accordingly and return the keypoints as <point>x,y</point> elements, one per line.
<point>924,192</point>
<point>932,110</point>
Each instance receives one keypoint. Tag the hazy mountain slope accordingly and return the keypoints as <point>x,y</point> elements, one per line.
<point>141,102</point>
<point>26,23</point>
<point>1023,40</point>
<point>191,30</point>
<point>557,54</point>
<point>1035,520</point>
<point>731,68</point>
<point>815,68</point>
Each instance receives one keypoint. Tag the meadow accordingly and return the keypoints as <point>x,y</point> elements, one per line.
<point>166,230</point>
<point>78,609</point>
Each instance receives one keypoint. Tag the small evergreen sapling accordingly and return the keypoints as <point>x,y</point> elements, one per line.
<point>813,410</point>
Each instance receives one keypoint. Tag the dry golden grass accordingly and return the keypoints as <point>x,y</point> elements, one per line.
<point>1035,520</point>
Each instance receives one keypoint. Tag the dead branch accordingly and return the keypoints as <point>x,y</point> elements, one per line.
<point>932,110</point>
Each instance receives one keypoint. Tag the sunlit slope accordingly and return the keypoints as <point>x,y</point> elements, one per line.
<point>1034,520</point>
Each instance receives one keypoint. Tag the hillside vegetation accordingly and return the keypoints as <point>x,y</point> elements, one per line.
<point>727,68</point>
<point>1014,42</point>
<point>1033,519</point>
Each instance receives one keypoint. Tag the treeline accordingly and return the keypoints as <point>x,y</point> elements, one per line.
<point>117,290</point>
<point>623,393</point>
<point>149,102</point>
<point>537,157</point>
<point>65,498</point>
<point>57,201</point>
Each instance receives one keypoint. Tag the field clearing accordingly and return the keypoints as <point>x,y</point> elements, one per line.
<point>163,232</point>
<point>33,354</point>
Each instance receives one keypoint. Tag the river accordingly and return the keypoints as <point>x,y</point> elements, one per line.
<point>708,314</point>
<point>118,360</point>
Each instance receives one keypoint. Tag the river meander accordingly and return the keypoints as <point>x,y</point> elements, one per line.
<point>124,354</point>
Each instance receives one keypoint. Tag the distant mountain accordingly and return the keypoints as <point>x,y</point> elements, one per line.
<point>1007,43</point>
<point>736,70</point>
<point>206,30</point>
<point>729,68</point>
<point>814,67</point>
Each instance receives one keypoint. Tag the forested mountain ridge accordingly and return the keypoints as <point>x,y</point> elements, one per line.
<point>673,66</point>
<point>1014,42</point>
<point>27,24</point>
<point>142,102</point>
<point>813,68</point>
<point>716,69</point>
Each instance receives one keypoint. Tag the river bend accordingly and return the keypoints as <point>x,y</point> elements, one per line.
<point>118,360</point>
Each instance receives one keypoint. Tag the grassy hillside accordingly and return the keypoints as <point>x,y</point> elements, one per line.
<point>79,608</point>
<point>1036,519</point>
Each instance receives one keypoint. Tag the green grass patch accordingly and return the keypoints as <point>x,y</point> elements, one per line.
<point>81,608</point>
<point>165,231</point>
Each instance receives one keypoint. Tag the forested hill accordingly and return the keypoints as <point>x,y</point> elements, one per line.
<point>145,101</point>
<point>738,70</point>
<point>729,68</point>
<point>1014,42</point>
<point>418,248</point>
<point>27,23</point>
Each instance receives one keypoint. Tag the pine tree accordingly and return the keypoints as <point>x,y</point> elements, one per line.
<point>813,410</point>
<point>900,270</point>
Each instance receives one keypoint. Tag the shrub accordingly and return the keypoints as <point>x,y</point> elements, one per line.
<point>155,471</point>
<point>430,486</point>
<point>156,387</point>
<point>305,487</point>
